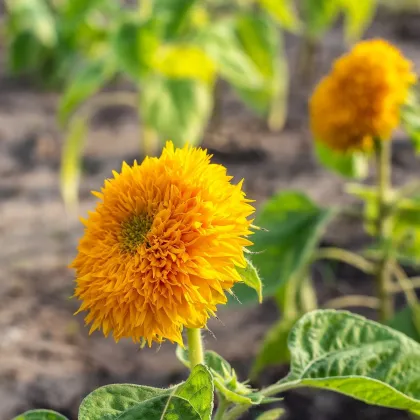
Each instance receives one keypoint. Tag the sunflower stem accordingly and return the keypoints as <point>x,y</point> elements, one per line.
<point>384,228</point>
<point>195,347</point>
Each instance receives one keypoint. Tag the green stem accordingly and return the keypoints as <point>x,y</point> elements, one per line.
<point>405,285</point>
<point>353,301</point>
<point>348,257</point>
<point>384,228</point>
<point>222,407</point>
<point>195,347</point>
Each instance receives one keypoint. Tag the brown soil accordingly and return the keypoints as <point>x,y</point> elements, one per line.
<point>46,357</point>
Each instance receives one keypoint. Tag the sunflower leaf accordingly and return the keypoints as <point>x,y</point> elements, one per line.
<point>40,415</point>
<point>250,277</point>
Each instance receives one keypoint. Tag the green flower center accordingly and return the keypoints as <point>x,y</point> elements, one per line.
<point>134,232</point>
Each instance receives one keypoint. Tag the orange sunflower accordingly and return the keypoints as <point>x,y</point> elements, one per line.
<point>162,247</point>
<point>360,99</point>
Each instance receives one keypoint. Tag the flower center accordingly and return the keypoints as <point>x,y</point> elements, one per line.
<point>134,232</point>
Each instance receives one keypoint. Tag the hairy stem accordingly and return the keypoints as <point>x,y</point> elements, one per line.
<point>384,228</point>
<point>195,347</point>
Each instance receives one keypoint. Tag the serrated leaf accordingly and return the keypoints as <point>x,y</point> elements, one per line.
<point>283,11</point>
<point>350,165</point>
<point>198,391</point>
<point>40,415</point>
<point>164,407</point>
<point>295,225</point>
<point>273,414</point>
<point>111,401</point>
<point>346,353</point>
<point>220,42</point>
<point>358,16</point>
<point>177,109</point>
<point>71,161</point>
<point>135,45</point>
<point>250,277</point>
<point>86,82</point>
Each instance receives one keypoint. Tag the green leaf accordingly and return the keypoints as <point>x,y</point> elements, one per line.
<point>346,353</point>
<point>350,165</point>
<point>262,42</point>
<point>220,42</point>
<point>198,391</point>
<point>274,349</point>
<point>86,82</point>
<point>178,109</point>
<point>295,225</point>
<point>135,44</point>
<point>71,161</point>
<point>273,414</point>
<point>111,401</point>
<point>283,12</point>
<point>40,415</point>
<point>318,16</point>
<point>164,407</point>
<point>173,15</point>
<point>407,322</point>
<point>410,117</point>
<point>250,277</point>
<point>358,16</point>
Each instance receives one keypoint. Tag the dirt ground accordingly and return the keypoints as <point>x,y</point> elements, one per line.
<point>47,358</point>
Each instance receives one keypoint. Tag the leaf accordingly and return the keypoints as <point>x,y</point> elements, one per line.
<point>110,401</point>
<point>164,407</point>
<point>198,391</point>
<point>87,81</point>
<point>295,225</point>
<point>261,40</point>
<point>219,41</point>
<point>250,277</point>
<point>173,15</point>
<point>274,349</point>
<point>358,16</point>
<point>71,161</point>
<point>410,117</point>
<point>178,109</point>
<point>407,322</point>
<point>318,16</point>
<point>273,414</point>
<point>346,353</point>
<point>349,165</point>
<point>40,415</point>
<point>283,12</point>
<point>135,44</point>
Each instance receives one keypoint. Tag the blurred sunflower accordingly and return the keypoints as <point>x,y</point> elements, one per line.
<point>360,99</point>
<point>161,247</point>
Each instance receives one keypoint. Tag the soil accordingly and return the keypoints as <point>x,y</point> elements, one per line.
<point>47,359</point>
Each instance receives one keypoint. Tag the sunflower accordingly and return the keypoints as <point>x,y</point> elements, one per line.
<point>360,99</point>
<point>162,246</point>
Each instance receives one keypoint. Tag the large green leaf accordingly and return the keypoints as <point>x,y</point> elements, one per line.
<point>86,82</point>
<point>40,415</point>
<point>191,400</point>
<point>221,43</point>
<point>350,164</point>
<point>198,391</point>
<point>164,407</point>
<point>178,109</point>
<point>262,42</point>
<point>295,225</point>
<point>346,353</point>
<point>135,44</point>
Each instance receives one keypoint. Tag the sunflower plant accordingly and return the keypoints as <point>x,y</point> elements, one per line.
<point>166,243</point>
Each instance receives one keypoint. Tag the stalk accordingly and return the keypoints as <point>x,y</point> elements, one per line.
<point>195,347</point>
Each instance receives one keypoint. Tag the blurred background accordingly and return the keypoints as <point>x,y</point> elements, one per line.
<point>85,85</point>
